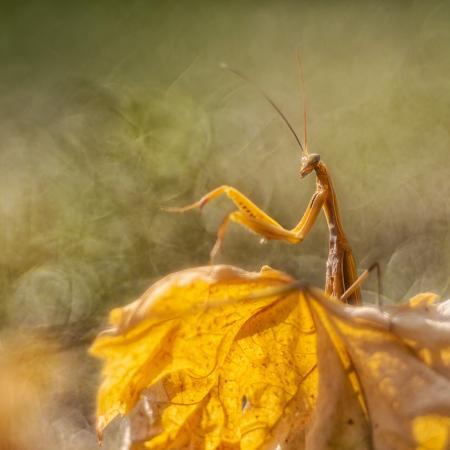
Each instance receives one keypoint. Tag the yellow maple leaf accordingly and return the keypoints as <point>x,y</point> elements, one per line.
<point>219,358</point>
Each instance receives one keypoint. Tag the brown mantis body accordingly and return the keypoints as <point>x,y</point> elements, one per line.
<point>341,279</point>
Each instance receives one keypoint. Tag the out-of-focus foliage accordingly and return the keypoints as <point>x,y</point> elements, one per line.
<point>83,212</point>
<point>34,377</point>
<point>216,357</point>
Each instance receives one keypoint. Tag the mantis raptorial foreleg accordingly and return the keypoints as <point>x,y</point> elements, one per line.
<point>255,219</point>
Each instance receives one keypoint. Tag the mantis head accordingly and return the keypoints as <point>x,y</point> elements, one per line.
<point>309,162</point>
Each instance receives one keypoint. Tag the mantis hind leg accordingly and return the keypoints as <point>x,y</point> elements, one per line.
<point>355,286</point>
<point>349,277</point>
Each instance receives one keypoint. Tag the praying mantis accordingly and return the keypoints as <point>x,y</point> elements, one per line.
<point>341,280</point>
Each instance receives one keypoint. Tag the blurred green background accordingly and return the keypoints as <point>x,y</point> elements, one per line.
<point>110,110</point>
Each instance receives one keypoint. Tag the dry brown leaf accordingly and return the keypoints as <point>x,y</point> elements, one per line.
<point>220,358</point>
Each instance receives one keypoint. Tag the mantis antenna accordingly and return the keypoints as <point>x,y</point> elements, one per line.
<point>303,92</point>
<point>272,103</point>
